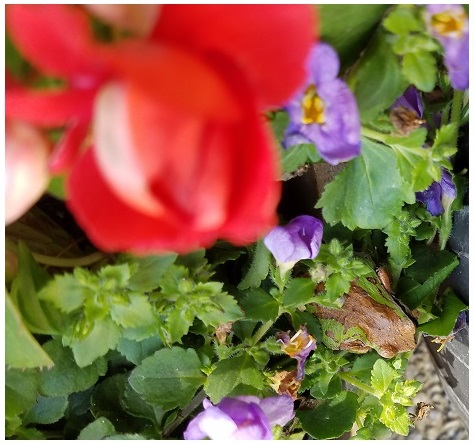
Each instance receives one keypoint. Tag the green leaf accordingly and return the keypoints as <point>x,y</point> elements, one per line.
<point>46,410</point>
<point>66,377</point>
<point>99,429</point>
<point>65,292</point>
<point>367,192</point>
<point>137,312</point>
<point>231,372</point>
<point>419,68</point>
<point>136,406</point>
<point>328,386</point>
<point>382,376</point>
<point>21,348</point>
<point>57,188</point>
<point>103,337</point>
<point>332,418</point>
<point>178,322</point>
<point>149,272</point>
<point>444,324</point>
<point>423,278</point>
<point>169,378</point>
<point>349,41</point>
<point>377,79</point>
<point>258,305</point>
<point>258,268</point>
<point>137,351</point>
<point>402,21</point>
<point>224,309</point>
<point>395,417</point>
<point>298,155</point>
<point>20,391</point>
<point>300,318</point>
<point>300,291</point>
<point>336,286</point>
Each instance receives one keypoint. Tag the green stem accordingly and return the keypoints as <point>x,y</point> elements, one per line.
<point>356,383</point>
<point>456,111</point>
<point>261,332</point>
<point>375,135</point>
<point>185,413</point>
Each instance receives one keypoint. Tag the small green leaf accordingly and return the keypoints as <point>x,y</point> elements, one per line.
<point>300,291</point>
<point>258,305</point>
<point>169,378</point>
<point>99,429</point>
<point>46,410</point>
<point>336,286</point>
<point>21,348</point>
<point>419,68</point>
<point>224,309</point>
<point>231,372</point>
<point>137,312</point>
<point>137,351</point>
<point>382,376</point>
<point>395,417</point>
<point>66,377</point>
<point>331,418</point>
<point>149,272</point>
<point>258,268</point>
<point>178,322</point>
<point>298,155</point>
<point>402,21</point>
<point>21,388</point>
<point>368,191</point>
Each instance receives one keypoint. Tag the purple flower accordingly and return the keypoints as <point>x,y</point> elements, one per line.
<point>449,25</point>
<point>298,347</point>
<point>324,111</point>
<point>438,195</point>
<point>410,100</point>
<point>299,239</point>
<point>242,417</point>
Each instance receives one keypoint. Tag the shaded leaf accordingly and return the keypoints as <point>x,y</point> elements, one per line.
<point>99,429</point>
<point>47,410</point>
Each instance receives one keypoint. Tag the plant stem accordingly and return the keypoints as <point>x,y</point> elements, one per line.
<point>68,262</point>
<point>375,135</point>
<point>185,413</point>
<point>261,332</point>
<point>356,383</point>
<point>456,110</point>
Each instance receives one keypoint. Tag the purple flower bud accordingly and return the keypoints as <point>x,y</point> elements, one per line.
<point>450,26</point>
<point>299,239</point>
<point>242,417</point>
<point>411,100</point>
<point>298,347</point>
<point>438,195</point>
<point>324,111</point>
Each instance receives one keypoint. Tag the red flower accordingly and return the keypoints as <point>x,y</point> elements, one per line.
<point>179,154</point>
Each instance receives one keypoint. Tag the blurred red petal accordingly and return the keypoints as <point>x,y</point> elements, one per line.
<point>178,78</point>
<point>26,172</point>
<point>48,108</point>
<point>57,39</point>
<point>270,43</point>
<point>113,226</point>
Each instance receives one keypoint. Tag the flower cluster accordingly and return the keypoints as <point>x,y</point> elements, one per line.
<point>164,145</point>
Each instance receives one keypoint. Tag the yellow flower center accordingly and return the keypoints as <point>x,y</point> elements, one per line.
<point>446,23</point>
<point>312,106</point>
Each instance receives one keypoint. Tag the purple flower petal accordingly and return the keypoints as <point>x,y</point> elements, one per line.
<point>431,197</point>
<point>278,409</point>
<point>411,99</point>
<point>447,185</point>
<point>212,423</point>
<point>299,239</point>
<point>325,111</point>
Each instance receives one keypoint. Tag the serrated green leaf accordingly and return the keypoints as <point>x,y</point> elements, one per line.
<point>224,309</point>
<point>136,406</point>
<point>21,348</point>
<point>66,377</point>
<point>402,21</point>
<point>137,312</point>
<point>368,191</point>
<point>103,337</point>
<point>396,418</point>
<point>298,155</point>
<point>382,376</point>
<point>178,322</point>
<point>336,286</point>
<point>231,372</point>
<point>149,272</point>
<point>444,324</point>
<point>419,68</point>
<point>47,410</point>
<point>377,79</point>
<point>329,386</point>
<point>137,351</point>
<point>332,418</point>
<point>169,378</point>
<point>21,388</point>
<point>98,429</point>
<point>300,291</point>
<point>363,365</point>
<point>258,268</point>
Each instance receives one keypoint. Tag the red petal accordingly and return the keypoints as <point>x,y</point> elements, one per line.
<point>269,43</point>
<point>113,226</point>
<point>177,78</point>
<point>57,39</point>
<point>48,108</point>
